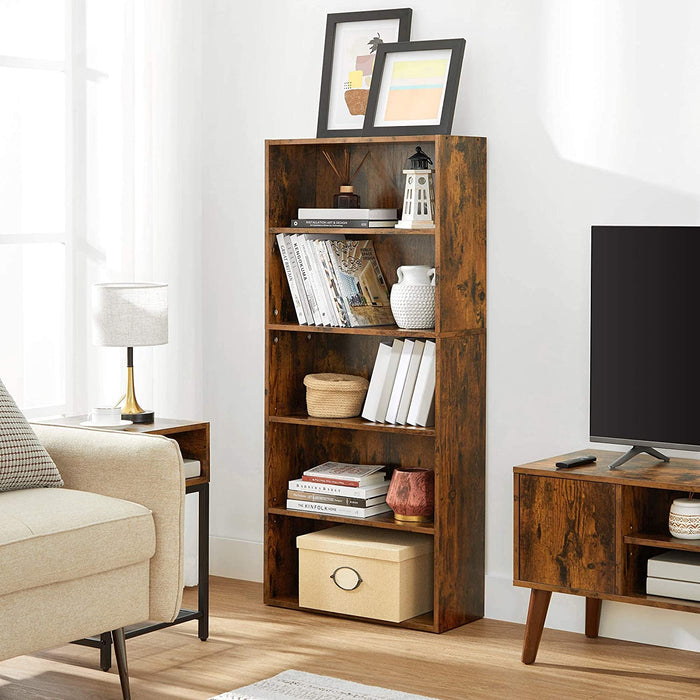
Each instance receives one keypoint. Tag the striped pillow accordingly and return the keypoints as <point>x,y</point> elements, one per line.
<point>24,463</point>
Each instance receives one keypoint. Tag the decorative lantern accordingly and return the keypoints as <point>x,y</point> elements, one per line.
<point>419,197</point>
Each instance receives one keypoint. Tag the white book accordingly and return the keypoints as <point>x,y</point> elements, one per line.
<point>384,382</point>
<point>291,280</point>
<point>316,282</point>
<point>332,509</point>
<point>410,383</point>
<point>326,272</point>
<point>337,214</point>
<point>300,256</point>
<point>668,588</point>
<point>678,565</point>
<point>335,490</point>
<point>399,381</point>
<point>296,274</point>
<point>422,408</point>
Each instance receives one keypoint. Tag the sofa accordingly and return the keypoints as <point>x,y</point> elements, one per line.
<point>101,553</point>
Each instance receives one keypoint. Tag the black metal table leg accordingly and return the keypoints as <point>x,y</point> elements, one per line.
<point>203,561</point>
<point>106,651</point>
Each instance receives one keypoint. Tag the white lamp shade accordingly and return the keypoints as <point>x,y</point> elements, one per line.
<point>129,314</point>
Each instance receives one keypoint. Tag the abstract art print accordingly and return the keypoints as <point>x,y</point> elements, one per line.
<point>414,90</point>
<point>350,51</point>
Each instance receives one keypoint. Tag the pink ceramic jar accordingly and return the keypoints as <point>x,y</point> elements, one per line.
<point>412,494</point>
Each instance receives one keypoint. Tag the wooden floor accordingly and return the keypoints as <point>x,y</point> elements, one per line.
<point>250,641</point>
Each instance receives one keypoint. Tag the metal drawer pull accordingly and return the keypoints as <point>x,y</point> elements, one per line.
<point>345,588</point>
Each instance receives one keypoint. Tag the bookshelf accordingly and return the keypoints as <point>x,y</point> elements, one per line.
<point>297,175</point>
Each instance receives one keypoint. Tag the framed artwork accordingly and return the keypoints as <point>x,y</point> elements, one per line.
<point>414,88</point>
<point>350,50</point>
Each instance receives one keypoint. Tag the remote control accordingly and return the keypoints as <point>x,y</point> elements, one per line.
<point>576,461</point>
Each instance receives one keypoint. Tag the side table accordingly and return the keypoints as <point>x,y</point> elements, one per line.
<point>193,438</point>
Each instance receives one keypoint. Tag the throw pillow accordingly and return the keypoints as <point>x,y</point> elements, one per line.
<point>24,462</point>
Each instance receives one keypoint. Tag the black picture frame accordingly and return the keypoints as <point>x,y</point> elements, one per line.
<point>457,47</point>
<point>403,15</point>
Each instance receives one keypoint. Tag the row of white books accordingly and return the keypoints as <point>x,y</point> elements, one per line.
<point>402,387</point>
<point>333,281</point>
<point>337,488</point>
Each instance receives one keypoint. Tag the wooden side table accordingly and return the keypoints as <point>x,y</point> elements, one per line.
<point>590,531</point>
<point>193,438</point>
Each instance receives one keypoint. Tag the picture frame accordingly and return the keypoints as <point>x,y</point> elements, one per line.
<point>349,55</point>
<point>414,88</point>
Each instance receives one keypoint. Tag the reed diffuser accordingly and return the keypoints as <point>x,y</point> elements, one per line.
<point>346,198</point>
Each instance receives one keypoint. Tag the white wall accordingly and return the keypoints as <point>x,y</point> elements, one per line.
<point>591,111</point>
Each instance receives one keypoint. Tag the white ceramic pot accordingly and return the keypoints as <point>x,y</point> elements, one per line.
<point>684,518</point>
<point>413,297</point>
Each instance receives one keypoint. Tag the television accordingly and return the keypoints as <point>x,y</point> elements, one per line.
<point>645,338</point>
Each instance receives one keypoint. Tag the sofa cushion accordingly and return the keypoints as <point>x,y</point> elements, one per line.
<point>24,463</point>
<point>51,535</point>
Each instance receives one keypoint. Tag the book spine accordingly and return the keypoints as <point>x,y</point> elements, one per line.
<point>335,500</point>
<point>297,244</point>
<point>337,272</point>
<point>330,489</point>
<point>296,274</point>
<point>333,284</point>
<point>290,279</point>
<point>330,509</point>
<point>330,223</point>
<point>330,480</point>
<point>323,280</point>
<point>319,293</point>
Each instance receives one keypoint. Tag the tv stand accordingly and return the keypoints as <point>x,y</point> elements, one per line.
<point>638,450</point>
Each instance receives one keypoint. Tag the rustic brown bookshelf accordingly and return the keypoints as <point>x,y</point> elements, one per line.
<point>297,175</point>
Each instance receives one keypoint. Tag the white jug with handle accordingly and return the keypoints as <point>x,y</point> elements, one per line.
<point>413,297</point>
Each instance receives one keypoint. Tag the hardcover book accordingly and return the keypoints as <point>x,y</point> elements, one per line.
<point>344,474</point>
<point>366,214</point>
<point>336,500</point>
<point>361,282</point>
<point>370,491</point>
<point>329,509</point>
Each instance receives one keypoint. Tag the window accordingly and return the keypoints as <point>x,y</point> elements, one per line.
<point>64,200</point>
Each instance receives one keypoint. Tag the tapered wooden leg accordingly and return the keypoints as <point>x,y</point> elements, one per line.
<point>120,654</point>
<point>536,614</point>
<point>593,606</point>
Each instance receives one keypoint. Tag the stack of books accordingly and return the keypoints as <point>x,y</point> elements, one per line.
<point>674,574</point>
<point>314,217</point>
<point>402,388</point>
<point>334,282</point>
<point>336,488</point>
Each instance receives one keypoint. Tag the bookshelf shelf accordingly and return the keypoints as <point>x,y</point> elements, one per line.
<point>663,542</point>
<point>297,175</point>
<point>385,520</point>
<point>382,331</point>
<point>354,424</point>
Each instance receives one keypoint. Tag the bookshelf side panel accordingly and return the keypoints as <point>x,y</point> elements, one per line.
<point>460,484</point>
<point>460,185</point>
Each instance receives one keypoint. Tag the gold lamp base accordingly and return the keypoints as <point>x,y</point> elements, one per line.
<point>131,409</point>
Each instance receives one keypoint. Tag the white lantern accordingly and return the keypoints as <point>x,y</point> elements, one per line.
<point>419,196</point>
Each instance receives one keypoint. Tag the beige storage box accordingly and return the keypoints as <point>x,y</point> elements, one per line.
<point>363,571</point>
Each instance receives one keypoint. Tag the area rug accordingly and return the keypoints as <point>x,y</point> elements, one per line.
<point>309,686</point>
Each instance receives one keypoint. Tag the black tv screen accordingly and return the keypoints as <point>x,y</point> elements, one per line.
<point>645,336</point>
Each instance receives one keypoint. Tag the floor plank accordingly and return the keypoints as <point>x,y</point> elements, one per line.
<point>250,641</point>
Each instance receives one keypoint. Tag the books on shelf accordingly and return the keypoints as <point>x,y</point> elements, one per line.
<point>320,213</point>
<point>344,474</point>
<point>334,282</point>
<point>674,574</point>
<point>338,488</point>
<point>344,223</point>
<point>402,386</point>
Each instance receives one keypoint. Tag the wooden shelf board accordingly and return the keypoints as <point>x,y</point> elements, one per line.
<point>385,520</point>
<point>363,139</point>
<point>422,622</point>
<point>663,542</point>
<point>354,424</point>
<point>382,331</point>
<point>274,230</point>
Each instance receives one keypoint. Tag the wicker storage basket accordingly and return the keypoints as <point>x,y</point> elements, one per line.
<point>334,395</point>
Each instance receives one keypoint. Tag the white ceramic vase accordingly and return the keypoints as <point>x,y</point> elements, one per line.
<point>413,297</point>
<point>684,518</point>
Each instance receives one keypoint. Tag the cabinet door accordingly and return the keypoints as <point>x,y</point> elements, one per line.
<point>566,533</point>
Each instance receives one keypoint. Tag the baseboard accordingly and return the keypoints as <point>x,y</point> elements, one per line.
<point>238,559</point>
<point>632,623</point>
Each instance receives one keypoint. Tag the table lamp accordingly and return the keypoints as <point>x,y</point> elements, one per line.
<point>130,314</point>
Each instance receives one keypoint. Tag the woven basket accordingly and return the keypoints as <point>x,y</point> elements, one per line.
<point>334,395</point>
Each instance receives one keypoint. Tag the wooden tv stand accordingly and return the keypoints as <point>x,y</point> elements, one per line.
<point>589,531</point>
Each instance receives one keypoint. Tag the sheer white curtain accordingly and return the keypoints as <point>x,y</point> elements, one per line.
<point>100,180</point>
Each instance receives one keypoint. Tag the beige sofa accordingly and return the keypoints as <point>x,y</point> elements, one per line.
<point>101,553</point>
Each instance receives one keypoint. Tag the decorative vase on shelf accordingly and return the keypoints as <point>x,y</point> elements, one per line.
<point>684,518</point>
<point>411,494</point>
<point>413,297</point>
